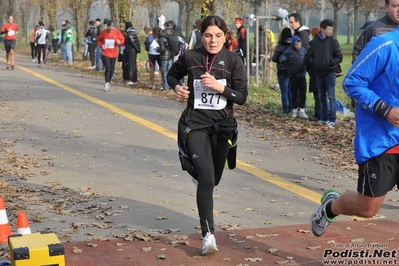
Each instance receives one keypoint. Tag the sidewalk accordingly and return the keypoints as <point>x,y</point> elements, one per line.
<point>286,245</point>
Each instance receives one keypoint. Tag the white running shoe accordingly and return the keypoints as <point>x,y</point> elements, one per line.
<point>302,114</point>
<point>294,113</point>
<point>209,244</point>
<point>106,86</point>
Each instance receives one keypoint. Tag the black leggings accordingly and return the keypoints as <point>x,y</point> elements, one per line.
<point>41,52</point>
<point>109,64</point>
<point>209,163</point>
<point>33,50</point>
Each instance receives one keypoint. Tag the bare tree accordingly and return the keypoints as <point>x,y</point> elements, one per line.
<point>337,5</point>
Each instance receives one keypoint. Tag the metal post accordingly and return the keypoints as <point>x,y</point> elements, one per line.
<point>247,57</point>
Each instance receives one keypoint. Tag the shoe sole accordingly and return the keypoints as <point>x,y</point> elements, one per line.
<point>210,250</point>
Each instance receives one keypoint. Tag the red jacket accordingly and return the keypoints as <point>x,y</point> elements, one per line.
<point>108,41</point>
<point>10,30</point>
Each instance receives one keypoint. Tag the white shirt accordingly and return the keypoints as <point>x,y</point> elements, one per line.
<point>153,46</point>
<point>42,33</point>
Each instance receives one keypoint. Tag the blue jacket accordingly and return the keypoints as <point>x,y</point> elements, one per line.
<point>373,76</point>
<point>293,59</point>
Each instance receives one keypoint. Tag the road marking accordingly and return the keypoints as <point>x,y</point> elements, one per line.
<point>274,179</point>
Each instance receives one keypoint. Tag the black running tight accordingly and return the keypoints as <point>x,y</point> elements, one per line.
<point>109,64</point>
<point>209,163</point>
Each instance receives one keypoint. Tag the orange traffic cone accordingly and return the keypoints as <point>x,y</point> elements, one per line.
<point>22,224</point>
<point>5,229</point>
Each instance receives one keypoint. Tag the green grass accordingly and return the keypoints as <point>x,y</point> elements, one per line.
<point>270,99</point>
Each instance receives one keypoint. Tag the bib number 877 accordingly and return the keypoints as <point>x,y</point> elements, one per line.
<point>205,97</point>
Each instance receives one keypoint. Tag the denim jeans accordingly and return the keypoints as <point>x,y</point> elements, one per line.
<point>316,105</point>
<point>166,64</point>
<point>68,47</point>
<point>286,97</point>
<point>63,51</point>
<point>326,89</point>
<point>98,57</point>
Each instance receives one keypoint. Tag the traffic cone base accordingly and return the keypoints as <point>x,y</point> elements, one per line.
<point>23,224</point>
<point>5,229</point>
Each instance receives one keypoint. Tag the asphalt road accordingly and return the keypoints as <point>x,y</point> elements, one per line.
<point>100,165</point>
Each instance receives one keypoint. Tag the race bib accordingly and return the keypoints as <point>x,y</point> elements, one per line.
<point>207,98</point>
<point>11,33</point>
<point>109,43</point>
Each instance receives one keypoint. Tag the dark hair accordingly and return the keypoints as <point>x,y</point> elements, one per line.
<point>296,17</point>
<point>156,31</point>
<point>91,22</point>
<point>326,23</point>
<point>197,23</point>
<point>214,21</point>
<point>387,2</point>
<point>169,24</point>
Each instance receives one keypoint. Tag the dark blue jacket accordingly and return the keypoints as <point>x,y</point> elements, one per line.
<point>293,59</point>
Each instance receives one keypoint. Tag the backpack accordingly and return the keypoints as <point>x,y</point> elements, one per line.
<point>175,44</point>
<point>150,38</point>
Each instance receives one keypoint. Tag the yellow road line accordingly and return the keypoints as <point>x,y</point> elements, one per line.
<point>276,180</point>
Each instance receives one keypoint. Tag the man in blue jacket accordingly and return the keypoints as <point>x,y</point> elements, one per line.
<point>372,82</point>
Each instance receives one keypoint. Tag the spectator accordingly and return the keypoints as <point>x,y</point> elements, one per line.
<point>195,37</point>
<point>63,43</point>
<point>10,29</point>
<point>313,81</point>
<point>109,40</point>
<point>205,127</point>
<point>69,39</point>
<point>282,75</point>
<point>132,48</point>
<point>41,43</point>
<point>165,53</point>
<point>98,48</point>
<point>91,36</point>
<point>324,56</point>
<point>231,41</point>
<point>303,32</point>
<point>242,39</point>
<point>49,39</point>
<point>124,59</point>
<point>55,38</point>
<point>33,47</point>
<point>372,83</point>
<point>151,45</point>
<point>386,24</point>
<point>293,58</point>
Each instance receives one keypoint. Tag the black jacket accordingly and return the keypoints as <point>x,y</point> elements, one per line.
<point>164,47</point>
<point>303,32</point>
<point>281,46</point>
<point>381,26</point>
<point>132,42</point>
<point>242,40</point>
<point>226,65</point>
<point>324,55</point>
